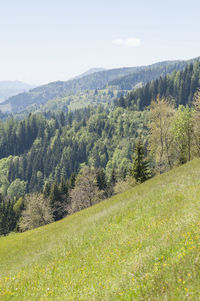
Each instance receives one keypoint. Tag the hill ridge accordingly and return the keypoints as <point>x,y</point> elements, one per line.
<point>98,80</point>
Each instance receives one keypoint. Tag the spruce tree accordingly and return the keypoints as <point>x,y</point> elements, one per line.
<point>113,178</point>
<point>140,169</point>
<point>63,187</point>
<point>7,217</point>
<point>46,189</point>
<point>101,179</point>
<point>72,181</point>
<point>122,102</point>
<point>54,194</point>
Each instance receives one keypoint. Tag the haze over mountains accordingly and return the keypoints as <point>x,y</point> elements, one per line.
<point>90,71</point>
<point>42,94</point>
<point>11,88</point>
<point>120,79</point>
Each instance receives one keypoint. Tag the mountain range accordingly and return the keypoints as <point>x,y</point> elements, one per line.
<point>120,79</point>
<point>11,88</point>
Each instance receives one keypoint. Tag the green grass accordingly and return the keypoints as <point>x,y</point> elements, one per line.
<point>143,244</point>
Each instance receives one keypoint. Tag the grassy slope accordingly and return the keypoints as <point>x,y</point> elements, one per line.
<point>143,244</point>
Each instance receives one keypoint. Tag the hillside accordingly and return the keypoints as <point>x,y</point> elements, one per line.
<point>152,72</point>
<point>42,94</point>
<point>140,245</point>
<point>98,80</point>
<point>134,80</point>
<point>180,86</point>
<point>56,148</point>
<point>72,102</point>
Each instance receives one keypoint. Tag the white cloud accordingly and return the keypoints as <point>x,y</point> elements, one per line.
<point>118,42</point>
<point>130,42</point>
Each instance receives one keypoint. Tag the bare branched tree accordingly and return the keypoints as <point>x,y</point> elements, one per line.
<point>86,192</point>
<point>37,213</point>
<point>161,138</point>
<point>196,121</point>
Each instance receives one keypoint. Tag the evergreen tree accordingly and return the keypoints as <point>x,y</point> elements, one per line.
<point>54,194</point>
<point>63,187</point>
<point>72,181</point>
<point>62,119</point>
<point>122,102</point>
<point>57,202</point>
<point>7,217</point>
<point>46,189</point>
<point>140,169</point>
<point>101,179</point>
<point>113,178</point>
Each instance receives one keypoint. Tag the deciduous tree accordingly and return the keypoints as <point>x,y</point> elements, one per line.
<point>37,213</point>
<point>86,192</point>
<point>182,130</point>
<point>161,138</point>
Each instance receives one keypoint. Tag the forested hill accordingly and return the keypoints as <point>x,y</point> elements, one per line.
<point>42,94</point>
<point>37,149</point>
<point>42,152</point>
<point>181,86</point>
<point>130,81</point>
<point>97,80</point>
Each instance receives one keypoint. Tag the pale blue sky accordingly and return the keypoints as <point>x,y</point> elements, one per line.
<point>43,41</point>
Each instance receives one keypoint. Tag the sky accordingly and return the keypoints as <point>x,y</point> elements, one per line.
<point>48,40</point>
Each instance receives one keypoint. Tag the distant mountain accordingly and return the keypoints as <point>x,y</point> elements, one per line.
<point>42,94</point>
<point>90,71</point>
<point>120,79</point>
<point>180,86</point>
<point>152,72</point>
<point>11,88</point>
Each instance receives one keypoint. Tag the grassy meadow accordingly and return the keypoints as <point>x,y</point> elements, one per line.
<point>143,244</point>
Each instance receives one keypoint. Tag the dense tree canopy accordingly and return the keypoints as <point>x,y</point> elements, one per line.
<point>180,86</point>
<point>74,159</point>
